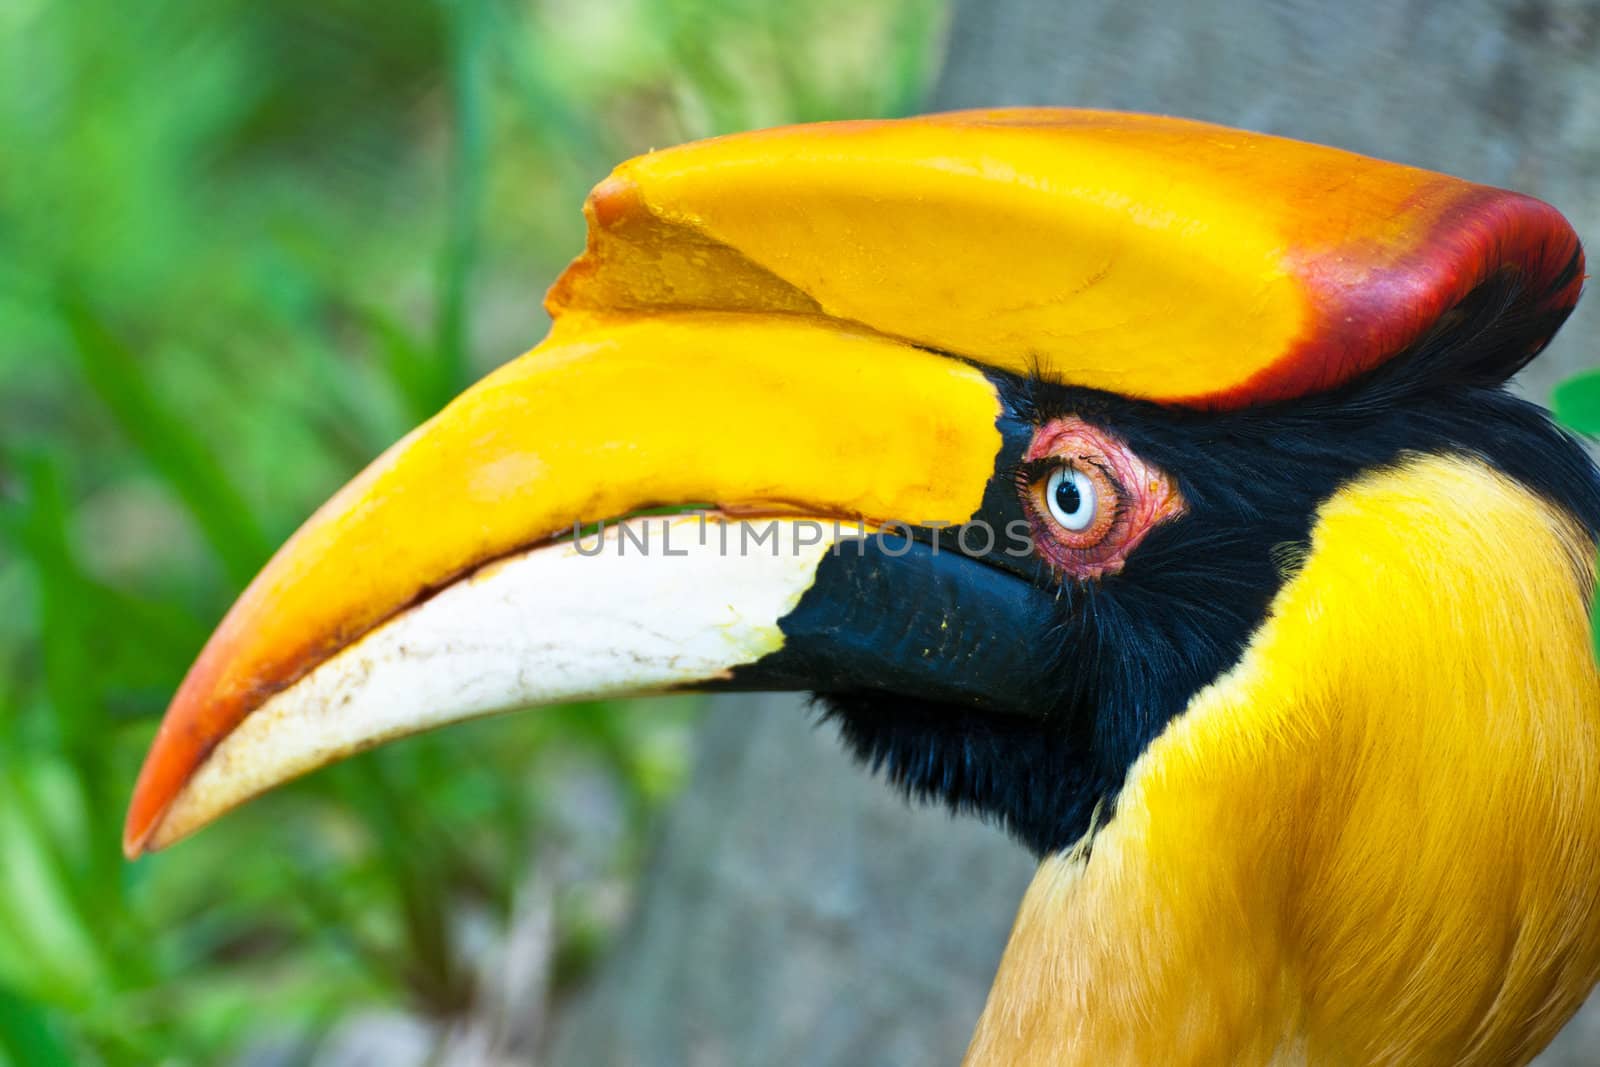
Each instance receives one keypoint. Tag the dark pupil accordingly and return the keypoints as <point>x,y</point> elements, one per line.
<point>1068,499</point>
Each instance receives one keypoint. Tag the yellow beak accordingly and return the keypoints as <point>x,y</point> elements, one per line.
<point>752,414</point>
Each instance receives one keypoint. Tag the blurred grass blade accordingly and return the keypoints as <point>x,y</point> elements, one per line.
<point>40,527</point>
<point>913,54</point>
<point>407,363</point>
<point>69,614</point>
<point>573,141</point>
<point>469,168</point>
<point>165,439</point>
<point>417,857</point>
<point>704,59</point>
<point>27,1035</point>
<point>53,911</point>
<point>140,646</point>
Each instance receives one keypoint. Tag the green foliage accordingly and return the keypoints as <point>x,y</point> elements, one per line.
<point>243,247</point>
<point>1577,402</point>
<point>27,1036</point>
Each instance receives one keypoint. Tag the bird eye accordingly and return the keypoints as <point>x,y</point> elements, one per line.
<point>1077,501</point>
<point>1071,498</point>
<point>1090,498</point>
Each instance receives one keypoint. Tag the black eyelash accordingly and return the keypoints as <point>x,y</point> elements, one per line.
<point>1031,470</point>
<point>1119,510</point>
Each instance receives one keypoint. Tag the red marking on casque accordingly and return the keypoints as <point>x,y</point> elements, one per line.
<point>1374,297</point>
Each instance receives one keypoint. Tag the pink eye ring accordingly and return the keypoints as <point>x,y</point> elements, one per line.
<point>1090,498</point>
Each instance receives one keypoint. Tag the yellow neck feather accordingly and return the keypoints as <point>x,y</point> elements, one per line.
<point>1375,840</point>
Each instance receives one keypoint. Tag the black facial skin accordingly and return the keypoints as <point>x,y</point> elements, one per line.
<point>1121,655</point>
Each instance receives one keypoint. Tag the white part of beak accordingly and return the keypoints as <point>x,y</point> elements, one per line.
<point>658,602</point>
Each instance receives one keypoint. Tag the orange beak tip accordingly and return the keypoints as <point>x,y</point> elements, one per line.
<point>144,817</point>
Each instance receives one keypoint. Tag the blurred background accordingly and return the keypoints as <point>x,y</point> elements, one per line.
<point>244,246</point>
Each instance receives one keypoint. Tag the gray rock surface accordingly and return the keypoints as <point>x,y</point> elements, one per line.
<point>799,912</point>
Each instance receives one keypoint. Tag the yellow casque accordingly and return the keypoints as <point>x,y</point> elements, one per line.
<point>1152,257</point>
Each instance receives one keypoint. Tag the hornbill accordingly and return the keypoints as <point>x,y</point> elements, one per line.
<point>1147,486</point>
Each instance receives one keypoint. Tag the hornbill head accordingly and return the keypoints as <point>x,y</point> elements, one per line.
<point>1147,486</point>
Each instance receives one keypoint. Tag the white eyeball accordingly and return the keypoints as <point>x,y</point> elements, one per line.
<point>1070,496</point>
